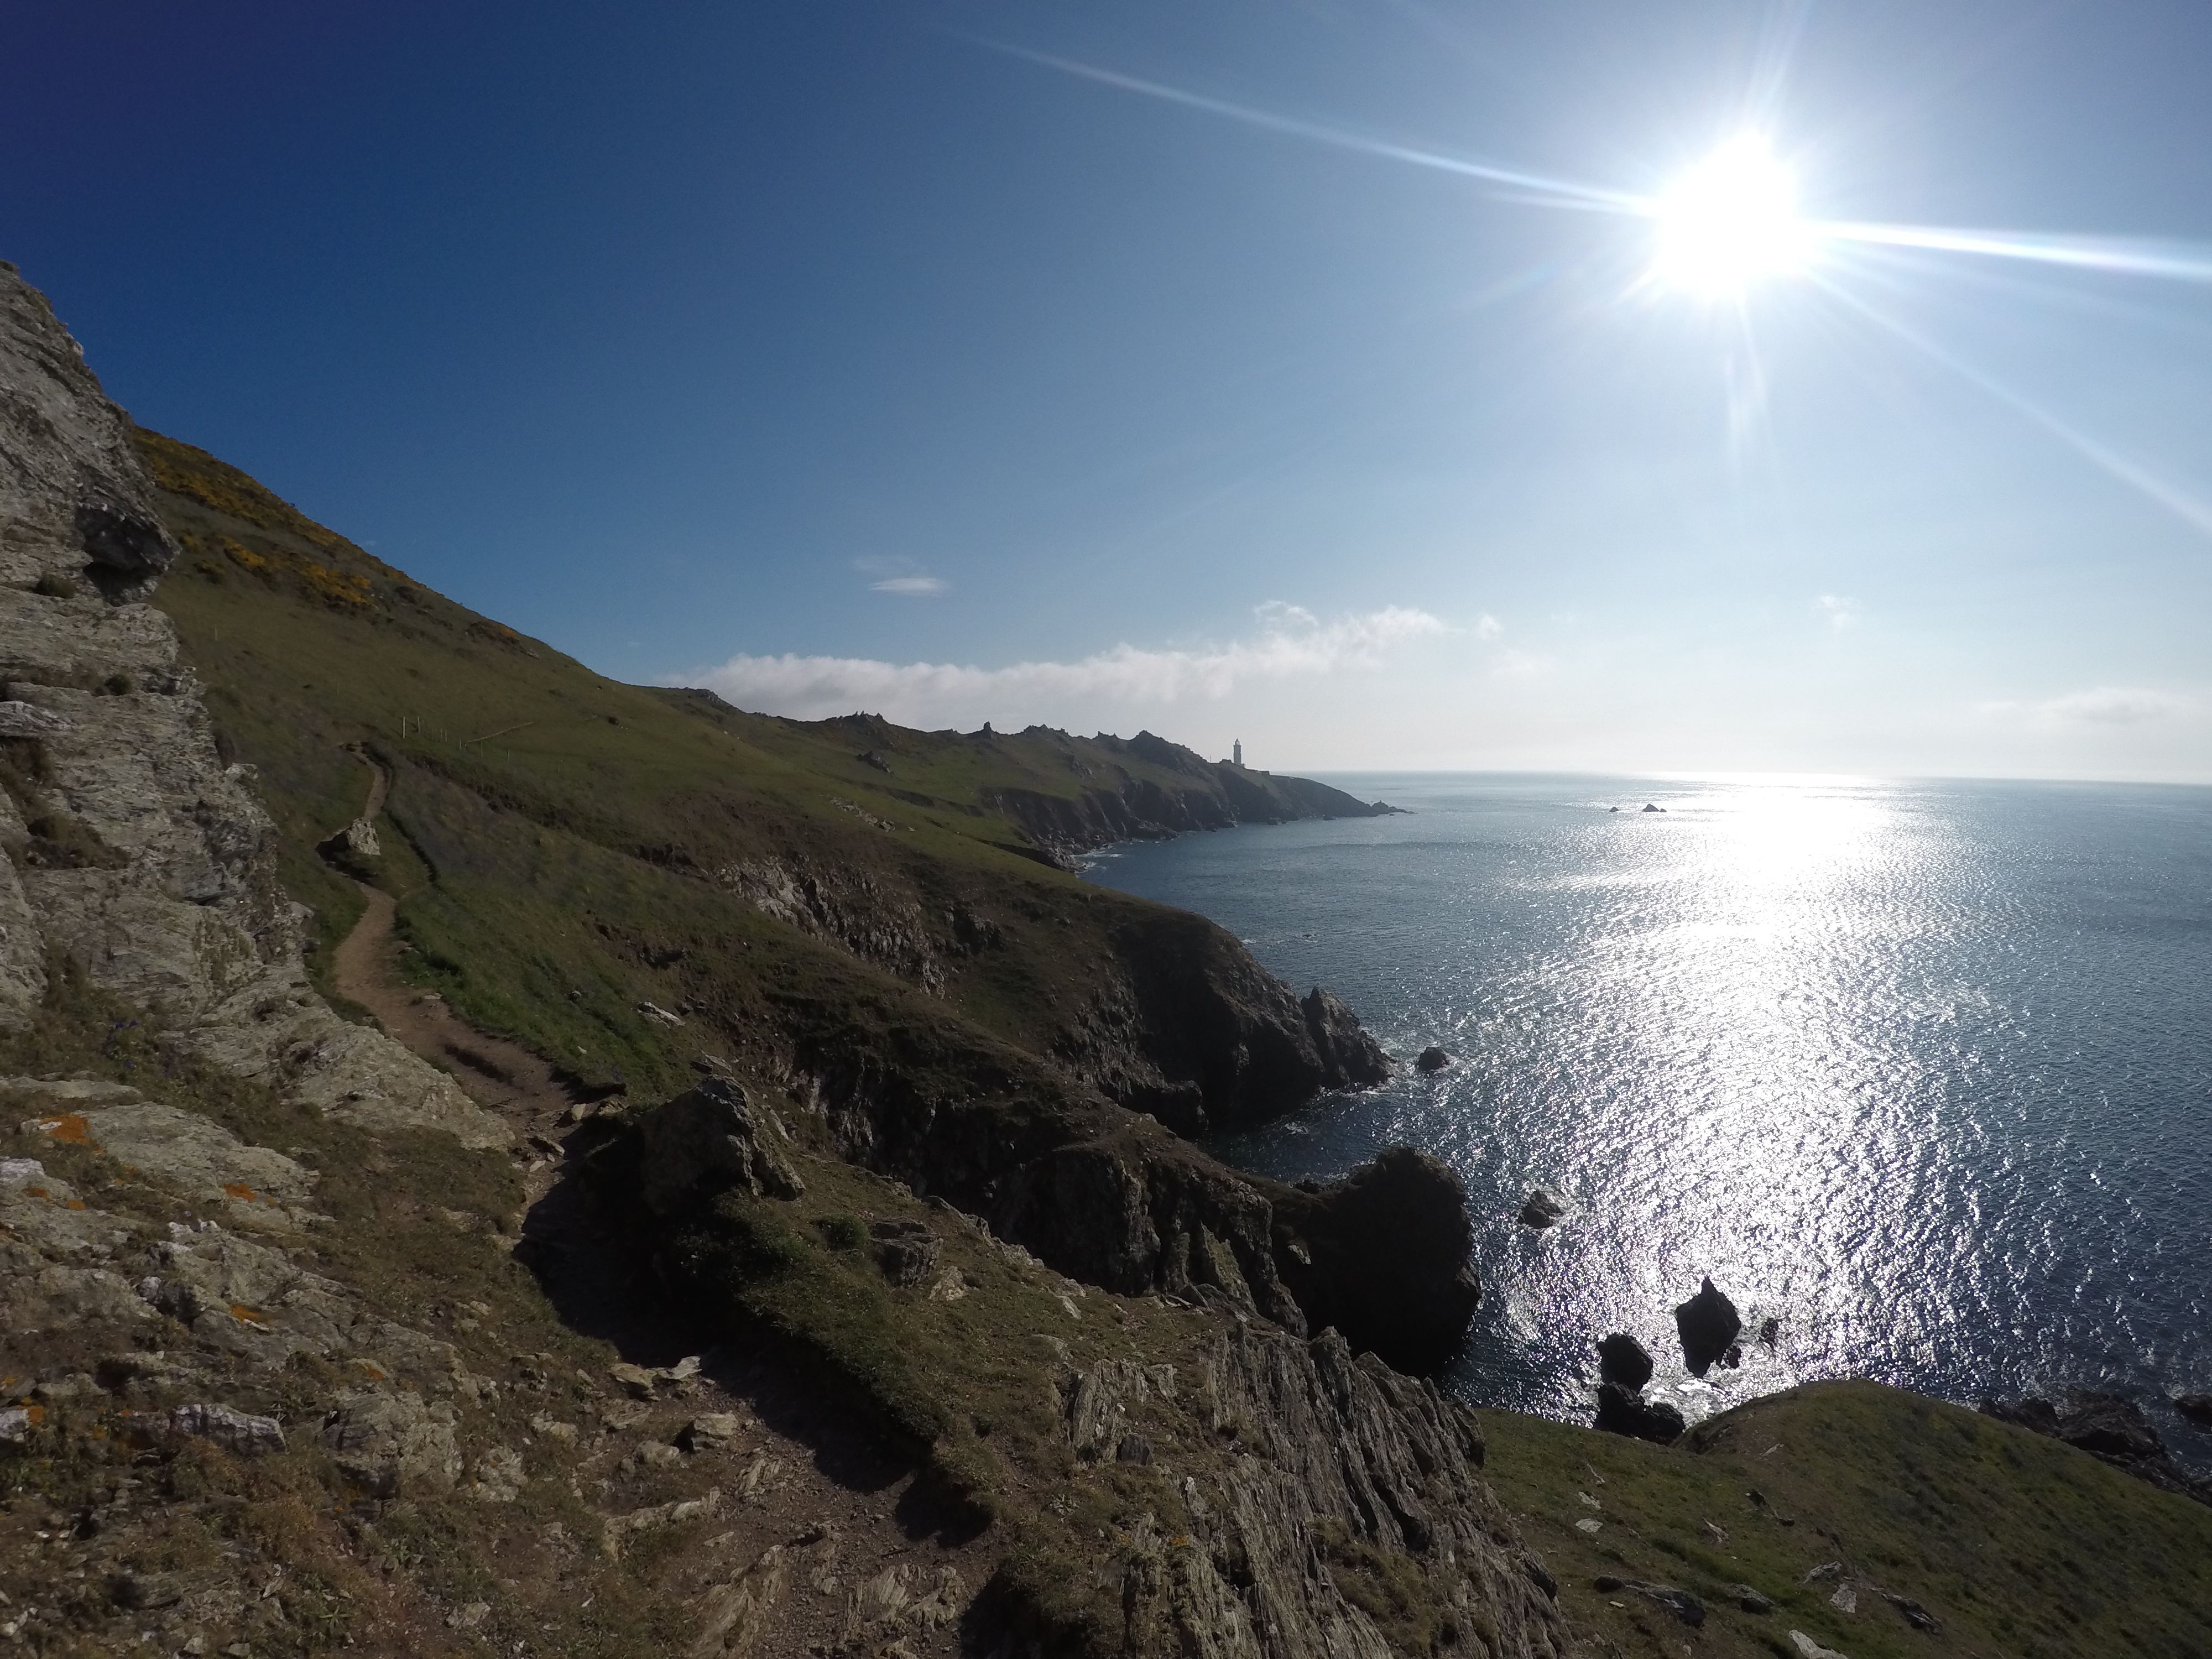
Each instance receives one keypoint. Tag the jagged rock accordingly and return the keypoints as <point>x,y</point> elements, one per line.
<point>1750,1599</point>
<point>706,1140</point>
<point>1432,1060</point>
<point>1805,1646</point>
<point>713,1432</point>
<point>156,876</point>
<point>1709,1325</point>
<point>1385,1258</point>
<point>1912,1612</point>
<point>392,1444</point>
<point>1621,1359</point>
<point>1543,1208</point>
<point>1346,1051</point>
<point>499,1477</point>
<point>1621,1411</point>
<point>187,1153</point>
<point>2196,1407</point>
<point>1338,1447</point>
<point>15,1423</point>
<point>239,1431</point>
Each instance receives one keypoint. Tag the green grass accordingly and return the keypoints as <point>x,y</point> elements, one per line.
<point>2021,1546</point>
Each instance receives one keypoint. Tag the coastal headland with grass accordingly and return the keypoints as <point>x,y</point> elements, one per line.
<point>506,1162</point>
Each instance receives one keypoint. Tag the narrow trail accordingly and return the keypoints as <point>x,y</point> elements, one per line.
<point>827,1526</point>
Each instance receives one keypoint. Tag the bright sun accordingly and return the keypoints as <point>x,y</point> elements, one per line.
<point>1729,221</point>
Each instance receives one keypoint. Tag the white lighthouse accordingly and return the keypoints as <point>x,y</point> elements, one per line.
<point>1236,752</point>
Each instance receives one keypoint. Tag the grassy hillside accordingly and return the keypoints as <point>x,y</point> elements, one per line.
<point>564,847</point>
<point>2014,1545</point>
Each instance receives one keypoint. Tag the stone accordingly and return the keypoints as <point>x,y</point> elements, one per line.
<point>1709,1325</point>
<point>713,1432</point>
<point>1432,1059</point>
<point>394,1445</point>
<point>1912,1612</point>
<point>499,1476</point>
<point>237,1431</point>
<point>1543,1207</point>
<point>1621,1359</point>
<point>15,1425</point>
<point>2196,1407</point>
<point>1750,1599</point>
<point>905,1250</point>
<point>1621,1411</point>
<point>706,1140</point>
<point>1808,1649</point>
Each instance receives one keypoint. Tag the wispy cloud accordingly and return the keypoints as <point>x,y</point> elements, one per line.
<point>1292,642</point>
<point>901,576</point>
<point>2099,705</point>
<point>1841,612</point>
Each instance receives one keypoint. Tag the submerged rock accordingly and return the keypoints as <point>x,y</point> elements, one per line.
<point>1621,1359</point>
<point>1709,1325</point>
<point>1621,1411</point>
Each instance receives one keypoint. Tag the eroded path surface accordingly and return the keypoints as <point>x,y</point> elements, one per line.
<point>822,1541</point>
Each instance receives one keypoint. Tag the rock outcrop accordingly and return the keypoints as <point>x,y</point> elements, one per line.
<point>136,856</point>
<point>1332,1464</point>
<point>1621,1359</point>
<point>1709,1325</point>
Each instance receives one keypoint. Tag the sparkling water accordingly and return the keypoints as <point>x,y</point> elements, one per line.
<point>1921,1072</point>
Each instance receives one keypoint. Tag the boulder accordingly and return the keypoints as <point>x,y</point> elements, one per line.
<point>240,1432</point>
<point>906,1250</point>
<point>394,1445</point>
<point>1543,1208</point>
<point>1621,1359</point>
<point>1432,1059</point>
<point>1709,1325</point>
<point>705,1141</point>
<point>1620,1411</point>
<point>2196,1407</point>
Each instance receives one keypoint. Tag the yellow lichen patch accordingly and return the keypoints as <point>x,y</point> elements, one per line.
<point>35,1413</point>
<point>35,1192</point>
<point>73,1204</point>
<point>240,1191</point>
<point>245,1315</point>
<point>69,1127</point>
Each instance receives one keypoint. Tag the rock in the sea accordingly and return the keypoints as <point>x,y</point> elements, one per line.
<point>1709,1325</point>
<point>1385,1258</point>
<point>2196,1407</point>
<point>1621,1359</point>
<point>1543,1208</point>
<point>1432,1059</point>
<point>705,1140</point>
<point>1346,1050</point>
<point>1621,1411</point>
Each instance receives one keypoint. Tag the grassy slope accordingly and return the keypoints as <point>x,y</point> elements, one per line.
<point>567,818</point>
<point>2020,1546</point>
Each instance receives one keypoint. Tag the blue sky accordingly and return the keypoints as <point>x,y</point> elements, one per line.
<point>837,356</point>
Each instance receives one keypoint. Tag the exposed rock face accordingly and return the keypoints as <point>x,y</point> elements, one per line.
<point>1192,1030</point>
<point>1709,1325</point>
<point>1334,1460</point>
<point>1382,1256</point>
<point>133,852</point>
<point>2108,1426</point>
<point>1543,1208</point>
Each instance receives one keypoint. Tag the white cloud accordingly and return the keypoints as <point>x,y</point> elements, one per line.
<point>1487,627</point>
<point>1840,612</point>
<point>2109,705</point>
<point>1291,643</point>
<point>920,588</point>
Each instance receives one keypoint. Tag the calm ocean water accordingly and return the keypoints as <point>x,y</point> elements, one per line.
<point>1923,1071</point>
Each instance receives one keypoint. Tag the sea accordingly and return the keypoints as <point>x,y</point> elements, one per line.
<point>1920,1071</point>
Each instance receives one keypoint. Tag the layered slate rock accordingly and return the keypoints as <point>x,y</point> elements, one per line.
<point>134,852</point>
<point>1335,1466</point>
